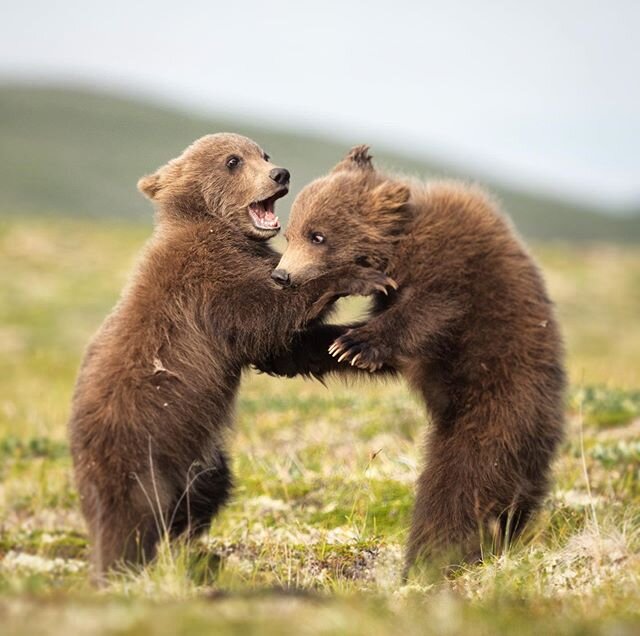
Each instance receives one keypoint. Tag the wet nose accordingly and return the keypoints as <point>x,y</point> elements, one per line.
<point>280,176</point>
<point>281,276</point>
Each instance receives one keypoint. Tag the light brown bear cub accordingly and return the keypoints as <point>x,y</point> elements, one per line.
<point>156,390</point>
<point>470,327</point>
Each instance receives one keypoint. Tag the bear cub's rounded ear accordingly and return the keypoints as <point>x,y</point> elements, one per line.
<point>150,185</point>
<point>390,196</point>
<point>358,158</point>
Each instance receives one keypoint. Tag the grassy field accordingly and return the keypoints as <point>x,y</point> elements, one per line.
<point>312,541</point>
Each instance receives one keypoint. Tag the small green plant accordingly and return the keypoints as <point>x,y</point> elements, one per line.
<point>604,406</point>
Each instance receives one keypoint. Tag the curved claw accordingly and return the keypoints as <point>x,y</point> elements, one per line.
<point>337,351</point>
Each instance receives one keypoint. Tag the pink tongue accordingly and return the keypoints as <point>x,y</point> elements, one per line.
<point>265,213</point>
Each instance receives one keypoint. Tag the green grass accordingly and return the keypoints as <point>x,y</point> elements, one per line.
<point>312,541</point>
<point>67,152</point>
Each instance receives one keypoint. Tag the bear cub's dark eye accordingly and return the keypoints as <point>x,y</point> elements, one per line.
<point>233,162</point>
<point>317,238</point>
<point>267,157</point>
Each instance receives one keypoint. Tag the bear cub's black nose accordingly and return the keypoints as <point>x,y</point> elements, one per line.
<point>280,176</point>
<point>281,277</point>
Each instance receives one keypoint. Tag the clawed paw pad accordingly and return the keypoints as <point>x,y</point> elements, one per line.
<point>357,352</point>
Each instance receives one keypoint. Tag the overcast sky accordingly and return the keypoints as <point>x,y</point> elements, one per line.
<point>540,92</point>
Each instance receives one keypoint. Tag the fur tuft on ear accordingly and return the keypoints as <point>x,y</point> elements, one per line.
<point>358,158</point>
<point>390,196</point>
<point>150,185</point>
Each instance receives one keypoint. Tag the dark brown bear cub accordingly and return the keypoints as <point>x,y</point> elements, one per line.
<point>155,394</point>
<point>471,328</point>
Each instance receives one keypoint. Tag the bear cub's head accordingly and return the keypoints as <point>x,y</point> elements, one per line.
<point>226,176</point>
<point>352,215</point>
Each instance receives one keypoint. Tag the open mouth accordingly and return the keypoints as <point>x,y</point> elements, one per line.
<point>263,212</point>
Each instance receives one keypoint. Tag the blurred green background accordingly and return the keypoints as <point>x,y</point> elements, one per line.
<point>78,153</point>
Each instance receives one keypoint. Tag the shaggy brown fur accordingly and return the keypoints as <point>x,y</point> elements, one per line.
<point>471,328</point>
<point>155,393</point>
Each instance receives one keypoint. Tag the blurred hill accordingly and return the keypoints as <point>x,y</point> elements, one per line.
<point>79,153</point>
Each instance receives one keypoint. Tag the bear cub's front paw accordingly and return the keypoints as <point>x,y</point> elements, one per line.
<point>279,365</point>
<point>354,348</point>
<point>368,281</point>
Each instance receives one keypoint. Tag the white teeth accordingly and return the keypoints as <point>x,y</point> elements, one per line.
<point>264,216</point>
